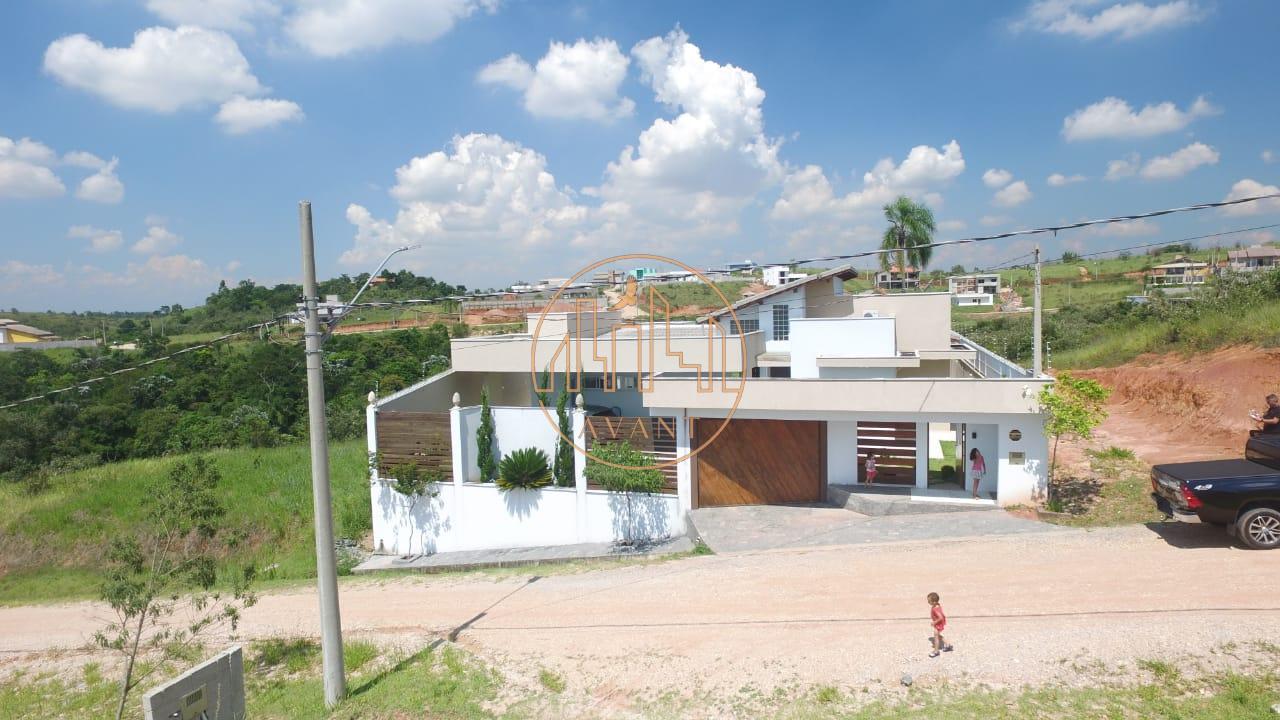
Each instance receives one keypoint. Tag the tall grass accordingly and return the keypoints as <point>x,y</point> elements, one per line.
<point>52,542</point>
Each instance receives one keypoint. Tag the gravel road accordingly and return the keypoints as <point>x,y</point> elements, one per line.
<point>1023,609</point>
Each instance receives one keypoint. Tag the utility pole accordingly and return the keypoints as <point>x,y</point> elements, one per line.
<point>1037,364</point>
<point>335,682</point>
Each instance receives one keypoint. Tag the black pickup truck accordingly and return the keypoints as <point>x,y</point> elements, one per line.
<point>1242,495</point>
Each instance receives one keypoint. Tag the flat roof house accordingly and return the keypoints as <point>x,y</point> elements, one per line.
<point>978,289</point>
<point>779,399</point>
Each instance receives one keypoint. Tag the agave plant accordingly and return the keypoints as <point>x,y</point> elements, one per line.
<point>526,468</point>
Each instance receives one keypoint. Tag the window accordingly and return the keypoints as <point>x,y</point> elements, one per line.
<point>781,322</point>
<point>596,381</point>
<point>748,325</point>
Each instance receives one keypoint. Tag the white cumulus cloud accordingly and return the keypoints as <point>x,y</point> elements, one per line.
<point>1012,195</point>
<point>1124,20</point>
<point>233,15</point>
<point>1268,157</point>
<point>333,28</point>
<point>1180,162</point>
<point>1113,117</point>
<point>102,186</point>
<point>16,275</point>
<point>807,191</point>
<point>1059,180</point>
<point>1123,168</point>
<point>164,70</point>
<point>23,170</point>
<point>241,115</point>
<point>571,81</point>
<point>1249,187</point>
<point>157,240</point>
<point>996,177</point>
<point>994,220</point>
<point>100,241</point>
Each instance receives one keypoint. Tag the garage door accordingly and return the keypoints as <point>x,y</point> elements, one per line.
<point>761,462</point>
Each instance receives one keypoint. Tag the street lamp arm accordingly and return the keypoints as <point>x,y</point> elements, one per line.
<point>333,323</point>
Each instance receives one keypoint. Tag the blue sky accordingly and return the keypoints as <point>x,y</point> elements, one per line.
<point>150,148</point>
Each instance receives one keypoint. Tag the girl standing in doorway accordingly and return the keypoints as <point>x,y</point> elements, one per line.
<point>977,469</point>
<point>871,468</point>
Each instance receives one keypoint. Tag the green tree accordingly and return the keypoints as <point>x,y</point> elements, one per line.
<point>563,471</point>
<point>1073,407</point>
<point>484,440</point>
<point>625,470</point>
<point>910,231</point>
<point>175,553</point>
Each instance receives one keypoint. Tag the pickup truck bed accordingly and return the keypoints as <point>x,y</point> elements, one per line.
<point>1243,494</point>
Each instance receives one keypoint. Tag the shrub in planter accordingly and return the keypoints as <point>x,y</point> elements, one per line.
<point>526,468</point>
<point>637,478</point>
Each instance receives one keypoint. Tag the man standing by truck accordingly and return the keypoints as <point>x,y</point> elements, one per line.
<point>1269,422</point>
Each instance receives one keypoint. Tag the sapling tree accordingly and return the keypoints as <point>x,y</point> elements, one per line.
<point>175,554</point>
<point>637,477</point>
<point>563,471</point>
<point>413,484</point>
<point>485,458</point>
<point>1073,407</point>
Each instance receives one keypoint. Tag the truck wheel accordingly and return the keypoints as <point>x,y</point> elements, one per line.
<point>1259,528</point>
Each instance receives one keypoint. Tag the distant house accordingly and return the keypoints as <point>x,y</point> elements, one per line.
<point>893,279</point>
<point>1252,259</point>
<point>978,289</point>
<point>776,275</point>
<point>1180,274</point>
<point>14,332</point>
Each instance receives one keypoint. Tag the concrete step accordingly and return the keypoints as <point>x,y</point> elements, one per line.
<point>884,500</point>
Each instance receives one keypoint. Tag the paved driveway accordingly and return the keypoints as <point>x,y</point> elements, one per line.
<point>769,527</point>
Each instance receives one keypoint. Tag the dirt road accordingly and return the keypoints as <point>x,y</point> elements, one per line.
<point>1024,609</point>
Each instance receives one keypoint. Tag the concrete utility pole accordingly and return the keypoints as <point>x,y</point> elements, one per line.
<point>335,682</point>
<point>1037,364</point>
<point>902,260</point>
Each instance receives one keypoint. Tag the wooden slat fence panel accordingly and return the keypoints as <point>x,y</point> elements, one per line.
<point>894,445</point>
<point>414,438</point>
<point>653,436</point>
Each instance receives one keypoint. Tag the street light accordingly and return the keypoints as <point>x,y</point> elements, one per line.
<point>333,322</point>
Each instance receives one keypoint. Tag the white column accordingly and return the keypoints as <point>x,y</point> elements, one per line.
<point>455,441</point>
<point>580,466</point>
<point>375,486</point>
<point>371,434</point>
<point>684,469</point>
<point>922,455</point>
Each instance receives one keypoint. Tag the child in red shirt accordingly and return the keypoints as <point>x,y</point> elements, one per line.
<point>939,620</point>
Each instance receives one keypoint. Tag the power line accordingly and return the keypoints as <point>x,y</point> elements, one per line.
<point>1038,231</point>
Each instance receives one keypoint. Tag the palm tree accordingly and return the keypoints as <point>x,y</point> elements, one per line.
<point>910,232</point>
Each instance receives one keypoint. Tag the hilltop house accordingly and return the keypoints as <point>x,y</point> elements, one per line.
<point>1180,274</point>
<point>980,289</point>
<point>894,279</point>
<point>1253,259</point>
<point>815,381</point>
<point>14,332</point>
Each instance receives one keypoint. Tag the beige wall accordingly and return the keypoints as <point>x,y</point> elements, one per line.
<point>514,353</point>
<point>512,389</point>
<point>821,301</point>
<point>923,319</point>
<point>889,396</point>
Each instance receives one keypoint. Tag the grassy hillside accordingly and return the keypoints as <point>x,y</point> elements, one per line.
<point>51,543</point>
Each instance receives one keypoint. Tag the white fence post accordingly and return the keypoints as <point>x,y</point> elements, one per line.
<point>455,441</point>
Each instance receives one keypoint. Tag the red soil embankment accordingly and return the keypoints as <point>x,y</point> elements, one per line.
<point>1168,408</point>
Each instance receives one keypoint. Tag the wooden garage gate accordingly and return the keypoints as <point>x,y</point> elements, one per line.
<point>760,462</point>
<point>894,445</point>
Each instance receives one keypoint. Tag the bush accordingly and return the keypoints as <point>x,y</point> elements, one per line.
<point>484,439</point>
<point>526,468</point>
<point>636,477</point>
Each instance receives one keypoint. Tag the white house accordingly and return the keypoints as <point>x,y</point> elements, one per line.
<point>1179,274</point>
<point>776,275</point>
<point>777,400</point>
<point>969,290</point>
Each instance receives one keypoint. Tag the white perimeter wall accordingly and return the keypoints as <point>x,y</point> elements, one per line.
<point>468,515</point>
<point>475,516</point>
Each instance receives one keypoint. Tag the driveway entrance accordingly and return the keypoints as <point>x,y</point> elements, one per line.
<point>760,462</point>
